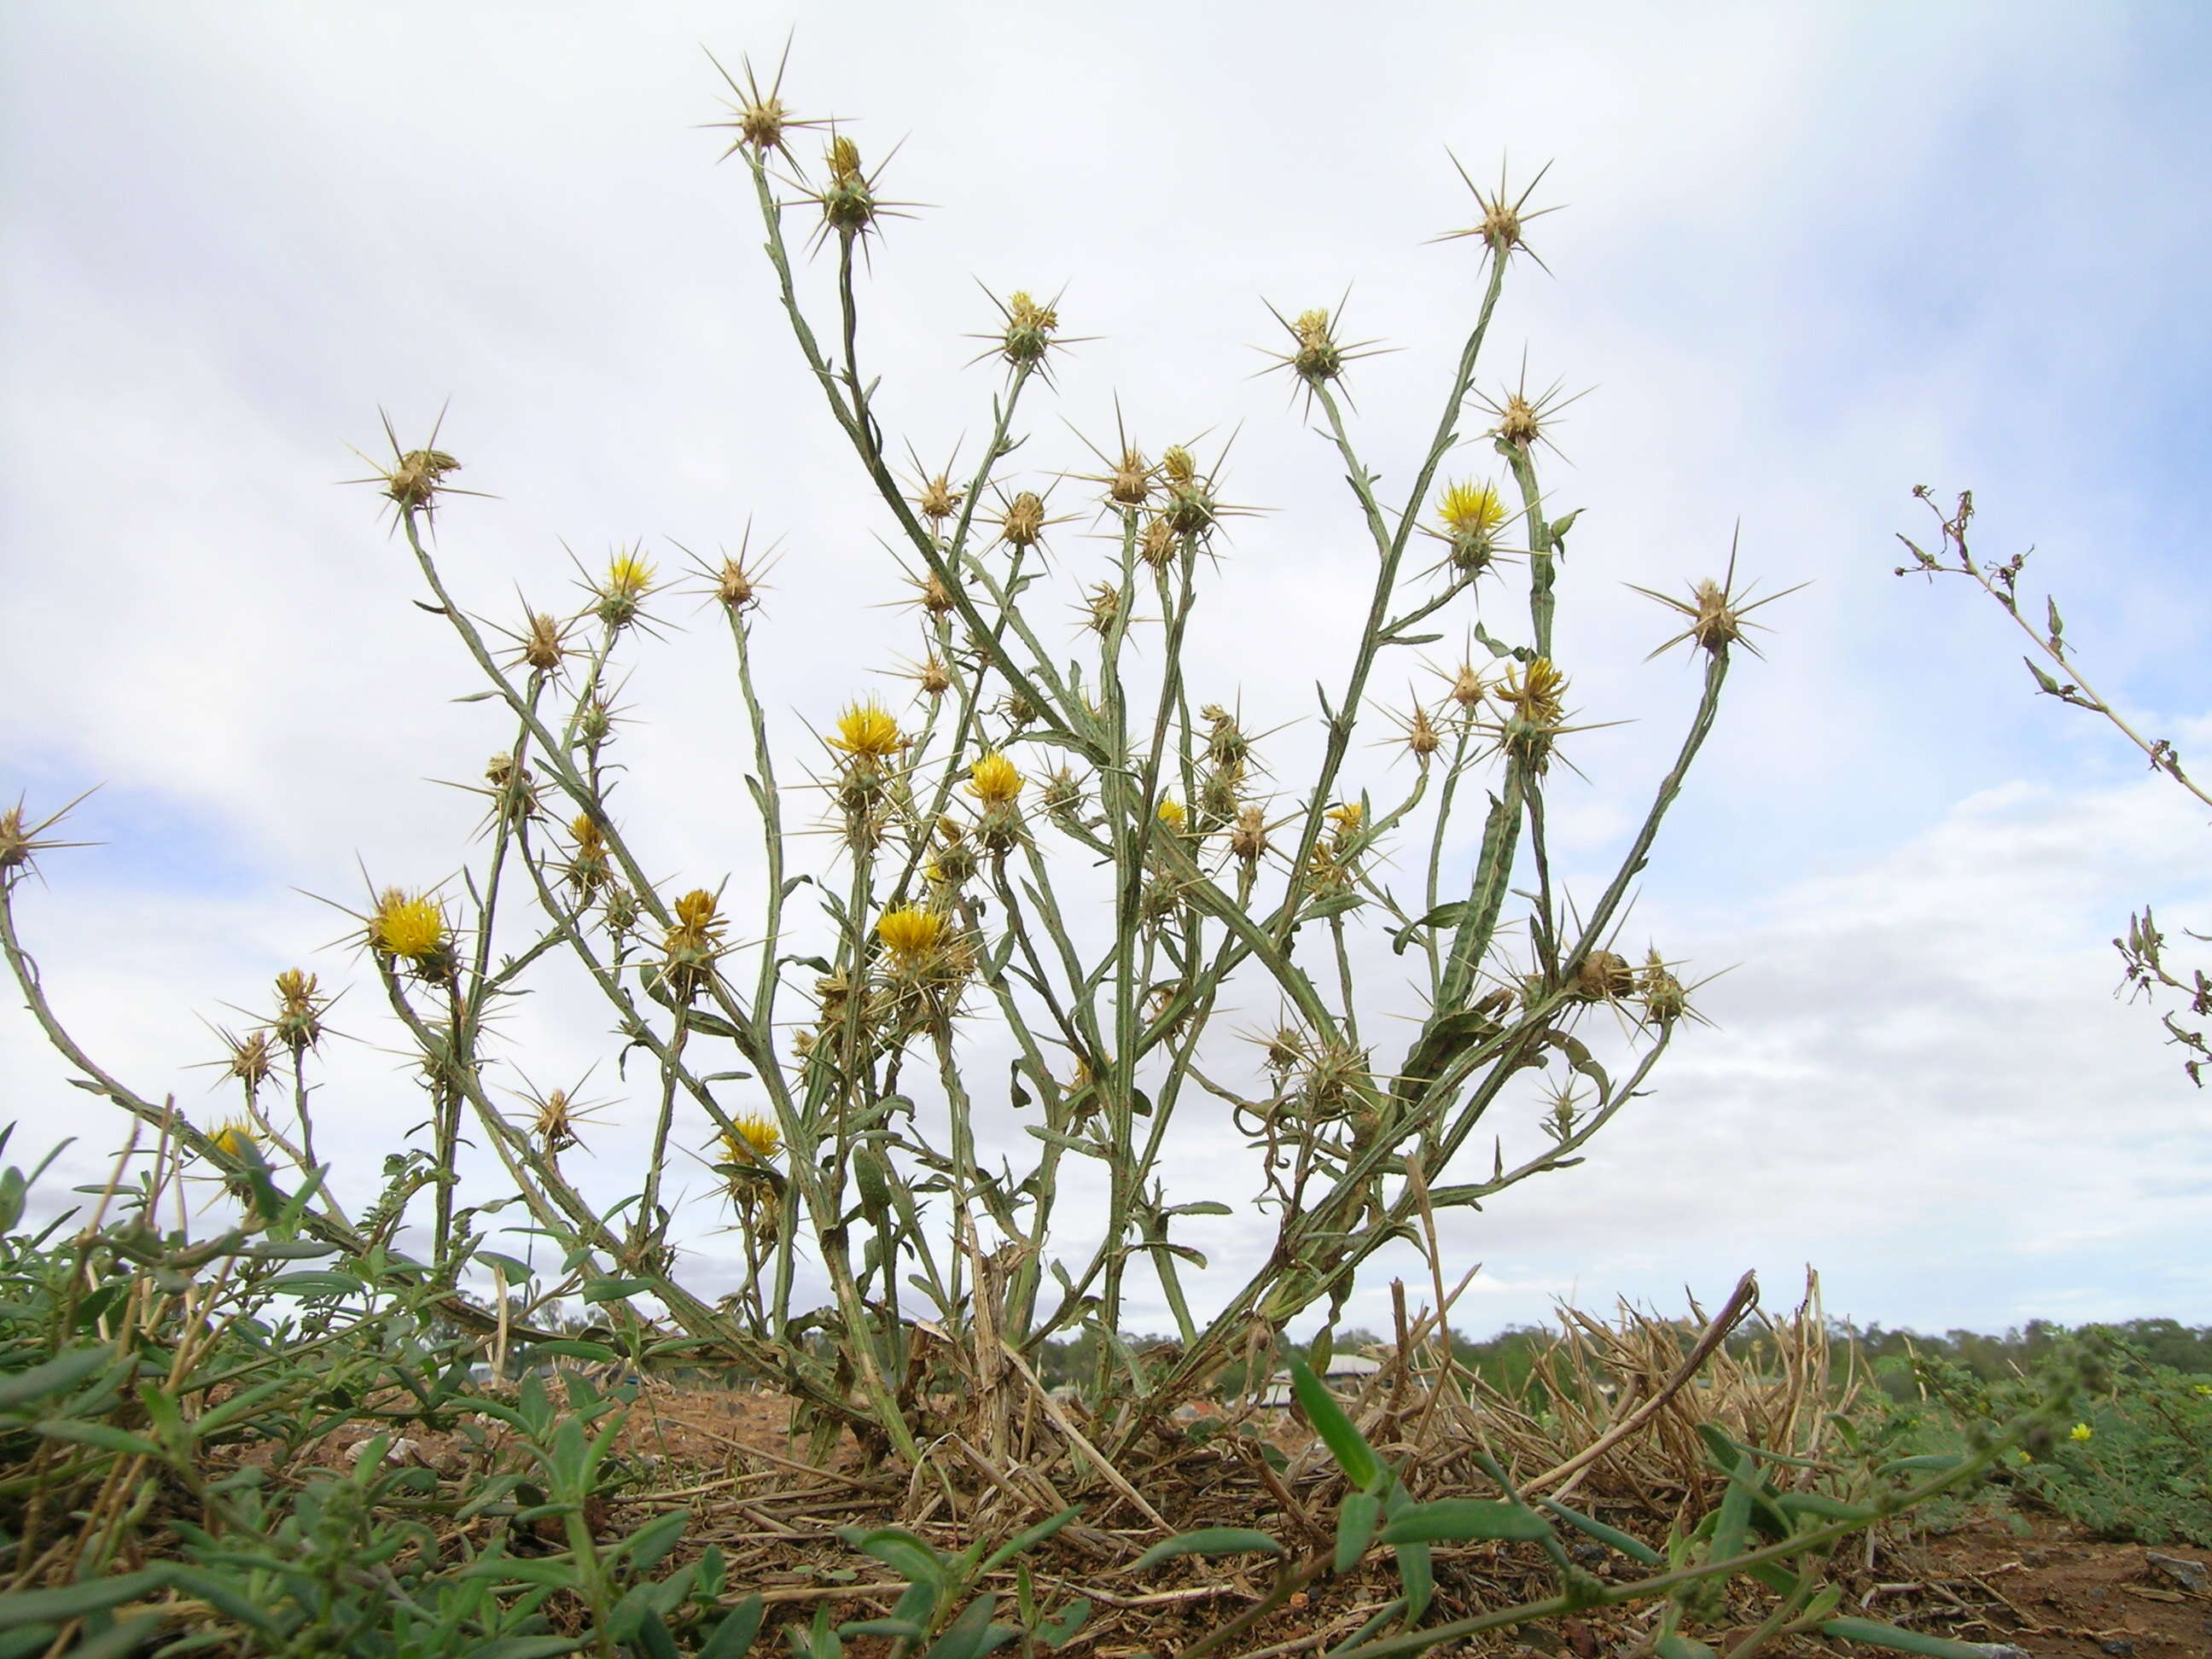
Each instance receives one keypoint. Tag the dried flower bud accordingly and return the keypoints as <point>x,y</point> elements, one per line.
<point>1030,329</point>
<point>1023,523</point>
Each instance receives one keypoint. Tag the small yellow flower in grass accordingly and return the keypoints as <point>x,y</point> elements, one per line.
<point>755,1141</point>
<point>234,1138</point>
<point>994,780</point>
<point>910,932</point>
<point>866,728</point>
<point>1471,509</point>
<point>1171,814</point>
<point>410,925</point>
<point>2080,1432</point>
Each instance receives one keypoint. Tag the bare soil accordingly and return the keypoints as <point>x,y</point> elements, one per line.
<point>2053,1593</point>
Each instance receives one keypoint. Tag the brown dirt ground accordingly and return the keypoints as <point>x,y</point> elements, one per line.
<point>2055,1592</point>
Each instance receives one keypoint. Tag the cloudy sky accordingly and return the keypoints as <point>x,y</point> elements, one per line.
<point>1809,257</point>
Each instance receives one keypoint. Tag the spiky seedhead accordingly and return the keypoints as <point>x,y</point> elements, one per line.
<point>1130,482</point>
<point>938,500</point>
<point>1422,738</point>
<point>934,678</point>
<point>1505,216</point>
<point>545,645</point>
<point>1469,688</point>
<point>1717,614</point>
<point>1061,794</point>
<point>1102,607</point>
<point>737,587</point>
<point>759,118</point>
<point>1603,976</point>
<point>1155,545</point>
<point>1248,841</point>
<point>300,1009</point>
<point>1022,524</point>
<point>246,1059</point>
<point>413,481</point>
<point>1665,1000</point>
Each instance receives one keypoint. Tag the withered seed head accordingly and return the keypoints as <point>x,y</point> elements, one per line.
<point>1023,523</point>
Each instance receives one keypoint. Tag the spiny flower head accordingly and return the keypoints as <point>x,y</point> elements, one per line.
<point>591,865</point>
<point>545,644</point>
<point>623,590</point>
<point>1022,523</point>
<point>249,1058</point>
<point>1155,545</point>
<point>847,205</point>
<point>236,1138</point>
<point>994,780</point>
<point>411,926</point>
<point>1030,328</point>
<point>938,499</point>
<point>1348,816</point>
<point>1248,840</point>
<point>299,1023</point>
<point>1172,814</point>
<point>1469,688</point>
<point>1534,691</point>
<point>690,948</point>
<point>867,729</point>
<point>911,934</point>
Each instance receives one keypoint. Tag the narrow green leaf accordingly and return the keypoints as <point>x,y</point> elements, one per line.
<point>58,1376</point>
<point>913,1558</point>
<point>1355,1520</point>
<point>1209,1541</point>
<point>310,1286</point>
<point>48,1606</point>
<point>733,1637</point>
<point>1417,1577</point>
<point>1875,1634</point>
<point>526,1647</point>
<point>1456,1520</point>
<point>1353,1455</point>
<point>1634,1548</point>
<point>615,1290</point>
<point>102,1435</point>
<point>653,1540</point>
<point>1028,1540</point>
<point>571,1348</point>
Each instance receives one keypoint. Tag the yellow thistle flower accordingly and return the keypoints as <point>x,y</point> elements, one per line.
<point>408,926</point>
<point>994,780</point>
<point>867,727</point>
<point>234,1138</point>
<point>1471,509</point>
<point>1535,693</point>
<point>1347,816</point>
<point>910,932</point>
<point>1172,814</point>
<point>2080,1432</point>
<point>628,576</point>
<point>755,1141</point>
